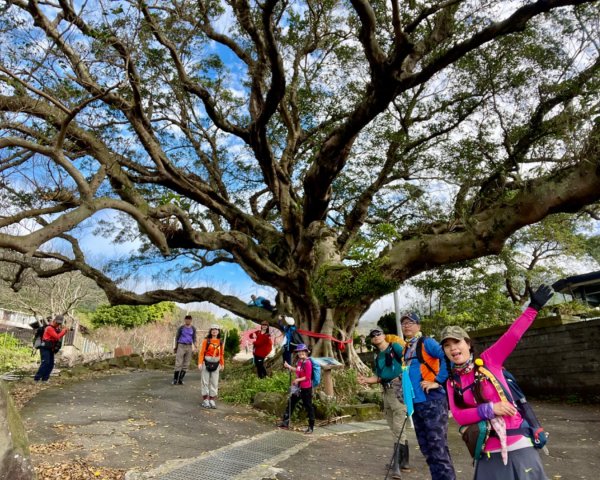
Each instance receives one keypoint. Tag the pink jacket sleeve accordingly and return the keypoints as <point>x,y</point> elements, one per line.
<point>463,416</point>
<point>504,346</point>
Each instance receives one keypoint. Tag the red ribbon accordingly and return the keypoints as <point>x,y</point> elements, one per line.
<point>323,335</point>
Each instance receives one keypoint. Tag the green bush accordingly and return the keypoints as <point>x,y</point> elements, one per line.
<point>13,355</point>
<point>243,384</point>
<point>232,343</point>
<point>129,316</point>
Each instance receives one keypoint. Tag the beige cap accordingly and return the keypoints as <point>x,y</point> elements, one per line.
<point>455,332</point>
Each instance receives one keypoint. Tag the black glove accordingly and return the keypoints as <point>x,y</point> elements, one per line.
<point>540,297</point>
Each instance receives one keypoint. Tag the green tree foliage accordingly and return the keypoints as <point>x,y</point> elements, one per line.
<point>128,316</point>
<point>387,323</point>
<point>491,291</point>
<point>232,343</point>
<point>593,247</point>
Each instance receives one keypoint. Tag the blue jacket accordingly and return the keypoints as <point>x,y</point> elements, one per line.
<point>434,349</point>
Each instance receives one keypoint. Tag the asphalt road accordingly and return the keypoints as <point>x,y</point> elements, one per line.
<point>139,421</point>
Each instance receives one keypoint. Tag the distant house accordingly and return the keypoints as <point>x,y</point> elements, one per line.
<point>584,287</point>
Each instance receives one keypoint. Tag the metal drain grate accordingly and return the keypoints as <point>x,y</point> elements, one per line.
<point>230,462</point>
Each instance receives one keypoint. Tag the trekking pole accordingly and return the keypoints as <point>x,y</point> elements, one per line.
<point>396,448</point>
<point>290,400</point>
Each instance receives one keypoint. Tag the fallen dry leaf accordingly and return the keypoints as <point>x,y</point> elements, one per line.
<point>77,470</point>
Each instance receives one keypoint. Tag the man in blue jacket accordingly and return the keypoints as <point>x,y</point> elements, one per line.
<point>426,373</point>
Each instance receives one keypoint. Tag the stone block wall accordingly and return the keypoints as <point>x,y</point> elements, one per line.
<point>555,357</point>
<point>561,359</point>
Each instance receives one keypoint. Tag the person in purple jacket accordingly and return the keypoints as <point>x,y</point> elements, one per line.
<point>301,389</point>
<point>507,453</point>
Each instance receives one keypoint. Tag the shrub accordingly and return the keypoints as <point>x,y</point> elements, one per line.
<point>232,343</point>
<point>129,316</point>
<point>243,384</point>
<point>13,355</point>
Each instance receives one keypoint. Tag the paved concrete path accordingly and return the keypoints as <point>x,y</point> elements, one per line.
<point>140,422</point>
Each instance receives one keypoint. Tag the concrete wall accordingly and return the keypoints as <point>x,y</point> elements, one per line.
<point>554,357</point>
<point>15,463</point>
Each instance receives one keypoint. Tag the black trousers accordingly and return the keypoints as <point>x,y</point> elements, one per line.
<point>306,397</point>
<point>259,362</point>
<point>46,366</point>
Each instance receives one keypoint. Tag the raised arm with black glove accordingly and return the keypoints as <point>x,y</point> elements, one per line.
<point>540,297</point>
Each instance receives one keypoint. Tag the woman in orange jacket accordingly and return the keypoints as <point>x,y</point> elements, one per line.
<point>211,360</point>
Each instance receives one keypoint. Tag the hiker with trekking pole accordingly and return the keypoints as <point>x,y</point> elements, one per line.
<point>300,389</point>
<point>424,373</point>
<point>499,431</point>
<point>388,369</point>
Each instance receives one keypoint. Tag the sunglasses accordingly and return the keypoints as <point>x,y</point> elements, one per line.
<point>375,334</point>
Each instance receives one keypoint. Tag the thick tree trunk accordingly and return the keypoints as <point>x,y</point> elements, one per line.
<point>338,323</point>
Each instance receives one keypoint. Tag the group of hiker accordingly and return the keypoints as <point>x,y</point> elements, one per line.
<point>421,378</point>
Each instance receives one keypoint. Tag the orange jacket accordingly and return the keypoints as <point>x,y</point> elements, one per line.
<point>214,348</point>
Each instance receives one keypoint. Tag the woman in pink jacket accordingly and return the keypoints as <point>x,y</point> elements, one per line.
<point>507,454</point>
<point>301,389</point>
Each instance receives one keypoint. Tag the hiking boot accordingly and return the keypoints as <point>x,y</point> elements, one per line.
<point>180,380</point>
<point>308,430</point>
<point>394,468</point>
<point>212,404</point>
<point>403,459</point>
<point>205,403</point>
<point>175,377</point>
<point>283,424</point>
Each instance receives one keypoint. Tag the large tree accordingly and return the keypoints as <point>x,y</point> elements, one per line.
<point>331,149</point>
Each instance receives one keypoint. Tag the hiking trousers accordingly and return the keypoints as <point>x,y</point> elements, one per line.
<point>46,366</point>
<point>209,384</point>
<point>395,413</point>
<point>523,464</point>
<point>183,357</point>
<point>305,395</point>
<point>431,427</point>
<point>259,362</point>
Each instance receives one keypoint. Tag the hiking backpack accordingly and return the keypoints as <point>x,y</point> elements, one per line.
<point>38,335</point>
<point>534,429</point>
<point>531,426</point>
<point>316,372</point>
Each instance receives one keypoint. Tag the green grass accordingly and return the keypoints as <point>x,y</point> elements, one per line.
<point>13,355</point>
<point>241,384</point>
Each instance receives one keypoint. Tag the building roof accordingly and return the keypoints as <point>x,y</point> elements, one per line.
<point>585,286</point>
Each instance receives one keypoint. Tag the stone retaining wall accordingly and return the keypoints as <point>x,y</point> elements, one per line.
<point>15,463</point>
<point>559,359</point>
<point>556,356</point>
